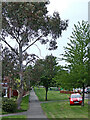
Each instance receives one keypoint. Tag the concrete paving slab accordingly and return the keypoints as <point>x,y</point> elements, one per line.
<point>35,110</point>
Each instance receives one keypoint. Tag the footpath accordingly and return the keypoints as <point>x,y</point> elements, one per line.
<point>34,111</point>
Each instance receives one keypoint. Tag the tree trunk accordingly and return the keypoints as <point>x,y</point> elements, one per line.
<point>19,100</point>
<point>21,78</point>
<point>0,79</point>
<point>46,92</point>
<point>83,95</point>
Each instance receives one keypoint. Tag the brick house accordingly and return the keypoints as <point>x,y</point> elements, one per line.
<point>6,89</point>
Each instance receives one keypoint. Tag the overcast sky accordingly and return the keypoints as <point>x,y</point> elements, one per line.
<point>74,11</point>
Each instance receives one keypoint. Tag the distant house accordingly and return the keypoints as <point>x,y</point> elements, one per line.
<point>6,89</point>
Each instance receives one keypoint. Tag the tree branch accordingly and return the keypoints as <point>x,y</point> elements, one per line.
<point>39,50</point>
<point>10,47</point>
<point>32,60</point>
<point>32,43</point>
<point>15,37</point>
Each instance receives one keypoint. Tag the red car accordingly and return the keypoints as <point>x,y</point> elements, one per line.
<point>75,99</point>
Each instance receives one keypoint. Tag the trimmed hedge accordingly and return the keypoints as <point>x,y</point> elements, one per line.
<point>9,105</point>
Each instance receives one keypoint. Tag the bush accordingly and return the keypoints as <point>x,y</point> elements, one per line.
<point>3,94</point>
<point>9,105</point>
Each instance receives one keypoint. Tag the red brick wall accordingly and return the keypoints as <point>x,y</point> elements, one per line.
<point>15,93</point>
<point>66,92</point>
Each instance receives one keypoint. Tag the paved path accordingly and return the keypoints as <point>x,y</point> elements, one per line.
<point>35,110</point>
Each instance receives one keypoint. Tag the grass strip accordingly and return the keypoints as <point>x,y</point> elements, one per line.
<point>14,116</point>
<point>25,103</point>
<point>64,110</point>
<point>52,95</point>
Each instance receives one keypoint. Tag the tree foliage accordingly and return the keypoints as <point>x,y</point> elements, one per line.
<point>43,72</point>
<point>49,71</point>
<point>9,65</point>
<point>26,23</point>
<point>76,54</point>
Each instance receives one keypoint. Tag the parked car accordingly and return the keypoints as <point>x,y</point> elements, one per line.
<point>85,91</point>
<point>88,90</point>
<point>75,98</point>
<point>54,88</point>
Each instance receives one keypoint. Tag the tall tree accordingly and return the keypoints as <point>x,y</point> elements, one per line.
<point>49,71</point>
<point>9,65</point>
<point>62,78</point>
<point>26,23</point>
<point>76,54</point>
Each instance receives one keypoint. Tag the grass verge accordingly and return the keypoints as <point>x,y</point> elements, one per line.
<point>61,109</point>
<point>64,110</point>
<point>52,95</point>
<point>25,103</point>
<point>14,116</point>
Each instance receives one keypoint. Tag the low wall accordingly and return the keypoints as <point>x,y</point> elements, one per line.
<point>66,92</point>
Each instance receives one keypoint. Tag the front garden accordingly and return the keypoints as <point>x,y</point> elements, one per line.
<point>10,106</point>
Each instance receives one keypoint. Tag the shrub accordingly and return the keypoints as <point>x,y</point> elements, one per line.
<point>3,94</point>
<point>9,105</point>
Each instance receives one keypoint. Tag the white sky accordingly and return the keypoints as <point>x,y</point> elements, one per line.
<point>74,11</point>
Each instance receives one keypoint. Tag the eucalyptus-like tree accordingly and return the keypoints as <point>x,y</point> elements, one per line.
<point>9,65</point>
<point>76,54</point>
<point>26,23</point>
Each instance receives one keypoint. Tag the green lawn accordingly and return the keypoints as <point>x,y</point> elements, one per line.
<point>25,103</point>
<point>64,110</point>
<point>60,109</point>
<point>52,95</point>
<point>14,116</point>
